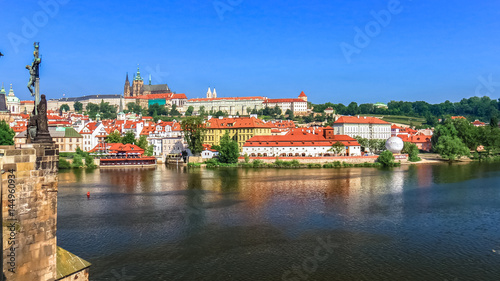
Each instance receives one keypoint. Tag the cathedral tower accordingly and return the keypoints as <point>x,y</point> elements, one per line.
<point>137,84</point>
<point>126,88</point>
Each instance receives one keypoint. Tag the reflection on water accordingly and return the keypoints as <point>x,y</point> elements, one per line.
<point>425,222</point>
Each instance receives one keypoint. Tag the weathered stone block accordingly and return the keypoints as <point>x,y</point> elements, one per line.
<point>28,152</point>
<point>12,152</point>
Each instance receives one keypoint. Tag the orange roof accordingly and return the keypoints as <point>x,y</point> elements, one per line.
<point>359,120</point>
<point>282,100</point>
<point>216,99</point>
<point>236,123</point>
<point>27,101</point>
<point>117,148</point>
<point>415,138</point>
<point>208,147</point>
<point>283,124</point>
<point>179,96</point>
<point>148,129</point>
<point>457,117</point>
<point>302,94</point>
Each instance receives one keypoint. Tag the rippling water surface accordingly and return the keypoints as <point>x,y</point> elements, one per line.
<point>425,222</point>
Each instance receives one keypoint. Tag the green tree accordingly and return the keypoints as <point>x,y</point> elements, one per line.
<point>352,108</point>
<point>129,137</point>
<point>114,137</point>
<point>451,147</point>
<point>468,133</point>
<point>63,164</point>
<point>6,134</point>
<point>219,113</point>
<point>174,111</point>
<point>189,111</point>
<point>156,109</point>
<point>386,158</point>
<point>77,161</point>
<point>490,139</point>
<point>149,150</point>
<point>412,150</point>
<point>134,108</point>
<point>106,110</point>
<point>92,110</point>
<point>277,110</point>
<point>376,145</point>
<point>362,142</point>
<point>202,112</point>
<point>89,161</point>
<point>194,133</point>
<point>143,142</point>
<point>64,107</point>
<point>337,148</point>
<point>78,106</point>
<point>229,151</point>
<point>494,122</point>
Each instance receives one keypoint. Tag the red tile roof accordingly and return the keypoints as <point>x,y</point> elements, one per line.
<point>117,148</point>
<point>415,138</point>
<point>179,96</point>
<point>306,139</point>
<point>478,123</point>
<point>283,100</point>
<point>302,94</point>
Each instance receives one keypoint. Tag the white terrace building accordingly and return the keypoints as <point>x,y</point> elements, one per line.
<point>299,145</point>
<point>365,127</point>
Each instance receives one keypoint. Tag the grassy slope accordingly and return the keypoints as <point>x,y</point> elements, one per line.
<point>416,121</point>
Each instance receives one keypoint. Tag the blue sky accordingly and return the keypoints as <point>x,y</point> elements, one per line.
<point>428,50</point>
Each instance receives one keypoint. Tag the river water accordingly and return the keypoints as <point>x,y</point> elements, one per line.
<point>423,222</point>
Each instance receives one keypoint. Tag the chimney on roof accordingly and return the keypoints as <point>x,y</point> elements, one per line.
<point>221,117</point>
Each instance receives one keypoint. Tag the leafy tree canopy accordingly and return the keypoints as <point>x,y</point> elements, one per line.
<point>6,134</point>
<point>194,132</point>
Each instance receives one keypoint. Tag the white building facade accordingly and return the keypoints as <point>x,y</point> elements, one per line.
<point>365,127</point>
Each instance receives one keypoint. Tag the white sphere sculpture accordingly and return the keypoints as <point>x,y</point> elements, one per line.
<point>394,145</point>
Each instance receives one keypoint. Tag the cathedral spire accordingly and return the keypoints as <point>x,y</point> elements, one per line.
<point>209,93</point>
<point>126,78</point>
<point>138,75</point>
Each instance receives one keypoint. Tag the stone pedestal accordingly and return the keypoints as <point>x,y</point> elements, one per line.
<point>29,217</point>
<point>29,212</point>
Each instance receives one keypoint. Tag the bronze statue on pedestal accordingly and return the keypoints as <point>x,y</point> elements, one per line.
<point>38,130</point>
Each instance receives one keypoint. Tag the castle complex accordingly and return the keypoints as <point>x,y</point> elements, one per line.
<point>139,89</point>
